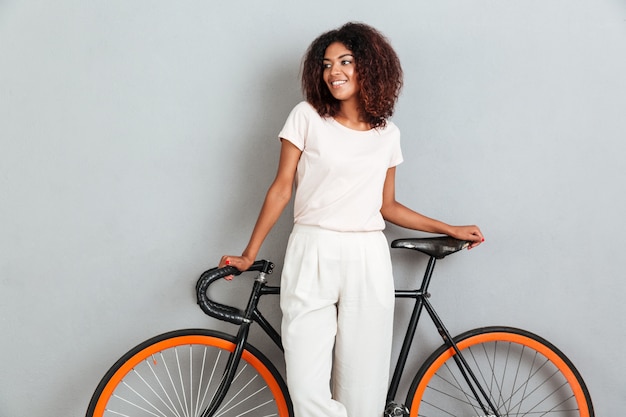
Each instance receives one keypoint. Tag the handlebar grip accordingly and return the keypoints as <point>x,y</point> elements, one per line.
<point>210,307</point>
<point>218,310</point>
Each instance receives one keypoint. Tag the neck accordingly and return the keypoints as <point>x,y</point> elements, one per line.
<point>349,115</point>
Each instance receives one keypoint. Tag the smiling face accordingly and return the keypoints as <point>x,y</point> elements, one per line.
<point>340,72</point>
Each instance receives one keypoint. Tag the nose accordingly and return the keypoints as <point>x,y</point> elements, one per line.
<point>335,68</point>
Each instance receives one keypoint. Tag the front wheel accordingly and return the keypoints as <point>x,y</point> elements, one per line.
<point>177,373</point>
<point>522,374</point>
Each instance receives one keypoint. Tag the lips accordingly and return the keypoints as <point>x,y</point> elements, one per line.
<point>338,83</point>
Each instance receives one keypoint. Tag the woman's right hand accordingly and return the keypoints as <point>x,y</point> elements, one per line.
<point>242,263</point>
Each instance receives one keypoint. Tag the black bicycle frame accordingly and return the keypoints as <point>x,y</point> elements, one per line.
<point>252,314</point>
<point>421,301</point>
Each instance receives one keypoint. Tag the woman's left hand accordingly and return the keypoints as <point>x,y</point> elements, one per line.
<point>469,233</point>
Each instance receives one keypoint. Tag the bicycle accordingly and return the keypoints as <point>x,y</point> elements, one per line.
<point>488,371</point>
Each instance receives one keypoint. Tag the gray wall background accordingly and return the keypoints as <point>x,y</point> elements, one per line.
<point>138,139</point>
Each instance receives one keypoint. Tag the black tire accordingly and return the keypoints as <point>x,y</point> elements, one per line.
<point>522,373</point>
<point>176,373</point>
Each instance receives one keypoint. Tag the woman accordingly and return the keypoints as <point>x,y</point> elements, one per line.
<point>340,150</point>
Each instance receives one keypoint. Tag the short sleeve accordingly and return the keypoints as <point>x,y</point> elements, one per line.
<point>297,125</point>
<point>396,157</point>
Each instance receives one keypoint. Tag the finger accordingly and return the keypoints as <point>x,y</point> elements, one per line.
<point>228,262</point>
<point>230,277</point>
<point>476,237</point>
<point>477,234</point>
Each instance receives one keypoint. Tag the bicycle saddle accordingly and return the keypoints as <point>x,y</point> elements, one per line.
<point>437,247</point>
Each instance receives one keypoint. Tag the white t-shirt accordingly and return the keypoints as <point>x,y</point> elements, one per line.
<point>341,172</point>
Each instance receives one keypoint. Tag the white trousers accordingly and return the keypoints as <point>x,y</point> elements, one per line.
<point>337,299</point>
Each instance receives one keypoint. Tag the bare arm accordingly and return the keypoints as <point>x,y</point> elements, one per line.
<point>403,216</point>
<point>276,199</point>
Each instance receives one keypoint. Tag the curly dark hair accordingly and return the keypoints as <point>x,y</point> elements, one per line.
<point>377,66</point>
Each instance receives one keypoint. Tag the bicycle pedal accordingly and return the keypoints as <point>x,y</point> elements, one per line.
<point>395,410</point>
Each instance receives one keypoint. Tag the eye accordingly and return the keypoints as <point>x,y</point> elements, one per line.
<point>346,62</point>
<point>326,65</point>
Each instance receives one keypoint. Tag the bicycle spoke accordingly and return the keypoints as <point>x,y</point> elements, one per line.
<point>180,378</point>
<point>191,380</point>
<point>154,392</point>
<point>519,379</point>
<point>171,405</point>
<point>244,400</point>
<point>182,385</point>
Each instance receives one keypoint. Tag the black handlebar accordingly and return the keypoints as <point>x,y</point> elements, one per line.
<point>218,310</point>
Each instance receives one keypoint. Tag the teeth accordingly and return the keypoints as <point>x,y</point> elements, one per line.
<point>338,82</point>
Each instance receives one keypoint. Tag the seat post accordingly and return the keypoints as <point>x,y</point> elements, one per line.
<point>430,268</point>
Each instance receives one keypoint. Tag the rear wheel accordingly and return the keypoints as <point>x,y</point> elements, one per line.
<point>522,373</point>
<point>176,374</point>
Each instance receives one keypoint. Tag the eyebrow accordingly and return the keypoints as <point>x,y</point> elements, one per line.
<point>342,56</point>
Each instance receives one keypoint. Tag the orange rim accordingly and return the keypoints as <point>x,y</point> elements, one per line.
<point>190,340</point>
<point>579,394</point>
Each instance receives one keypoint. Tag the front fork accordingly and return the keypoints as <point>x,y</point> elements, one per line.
<point>229,372</point>
<point>235,356</point>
